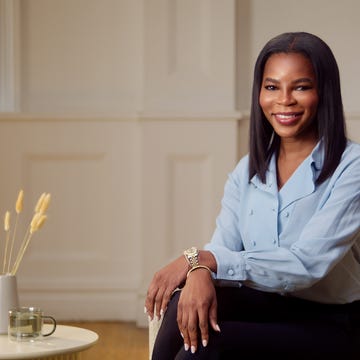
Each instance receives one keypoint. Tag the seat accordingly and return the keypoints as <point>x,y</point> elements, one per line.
<point>154,326</point>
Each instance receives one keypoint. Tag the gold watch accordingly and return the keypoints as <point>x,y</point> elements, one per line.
<point>192,256</point>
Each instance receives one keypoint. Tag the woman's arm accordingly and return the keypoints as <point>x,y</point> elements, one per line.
<point>317,230</point>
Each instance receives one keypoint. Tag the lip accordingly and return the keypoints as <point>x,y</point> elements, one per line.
<point>287,118</point>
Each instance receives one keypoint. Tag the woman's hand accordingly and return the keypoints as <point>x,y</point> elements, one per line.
<point>197,308</point>
<point>164,282</point>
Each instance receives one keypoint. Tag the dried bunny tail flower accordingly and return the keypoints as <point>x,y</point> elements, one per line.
<point>45,204</point>
<point>19,202</point>
<point>41,222</point>
<point>34,221</point>
<point>37,222</point>
<point>7,221</point>
<point>39,202</point>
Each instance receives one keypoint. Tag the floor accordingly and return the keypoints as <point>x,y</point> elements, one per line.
<point>117,341</point>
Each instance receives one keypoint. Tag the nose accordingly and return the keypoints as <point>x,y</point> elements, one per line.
<point>286,97</point>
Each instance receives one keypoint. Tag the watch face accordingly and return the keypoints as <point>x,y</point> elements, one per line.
<point>192,251</point>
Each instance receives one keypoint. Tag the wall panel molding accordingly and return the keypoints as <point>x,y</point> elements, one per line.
<point>189,212</point>
<point>184,171</point>
<point>189,57</point>
<point>9,55</point>
<point>91,238</point>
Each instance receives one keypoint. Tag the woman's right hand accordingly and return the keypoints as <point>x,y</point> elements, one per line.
<point>163,284</point>
<point>197,309</point>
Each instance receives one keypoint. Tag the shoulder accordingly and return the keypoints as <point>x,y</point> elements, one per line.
<point>351,155</point>
<point>348,170</point>
<point>241,170</point>
<point>352,147</point>
<point>239,174</point>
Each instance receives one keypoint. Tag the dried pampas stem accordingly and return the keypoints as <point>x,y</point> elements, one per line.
<point>6,228</point>
<point>18,210</point>
<point>37,222</point>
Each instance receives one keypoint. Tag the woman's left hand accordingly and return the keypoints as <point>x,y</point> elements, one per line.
<point>197,308</point>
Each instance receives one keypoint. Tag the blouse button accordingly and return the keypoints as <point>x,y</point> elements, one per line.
<point>230,272</point>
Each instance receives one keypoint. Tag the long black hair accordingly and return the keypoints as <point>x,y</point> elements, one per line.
<point>330,120</point>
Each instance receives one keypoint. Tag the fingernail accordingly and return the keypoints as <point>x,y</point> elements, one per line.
<point>217,328</point>
<point>149,318</point>
<point>186,347</point>
<point>204,343</point>
<point>145,310</point>
<point>161,312</point>
<point>193,349</point>
<point>181,334</point>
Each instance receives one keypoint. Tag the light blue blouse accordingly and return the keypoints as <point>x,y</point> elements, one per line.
<point>303,239</point>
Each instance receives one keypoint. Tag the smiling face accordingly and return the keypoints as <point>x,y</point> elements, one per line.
<point>289,97</point>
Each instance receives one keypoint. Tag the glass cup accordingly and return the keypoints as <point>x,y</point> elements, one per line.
<point>26,324</point>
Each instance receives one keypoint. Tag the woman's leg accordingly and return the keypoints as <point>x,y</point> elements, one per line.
<point>255,322</point>
<point>258,323</point>
<point>260,340</point>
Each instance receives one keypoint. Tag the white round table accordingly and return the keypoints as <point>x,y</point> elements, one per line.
<point>65,343</point>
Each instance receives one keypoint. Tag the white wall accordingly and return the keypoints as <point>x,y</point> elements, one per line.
<point>131,113</point>
<point>81,57</point>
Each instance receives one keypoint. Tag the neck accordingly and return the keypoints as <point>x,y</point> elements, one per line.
<point>291,155</point>
<point>290,148</point>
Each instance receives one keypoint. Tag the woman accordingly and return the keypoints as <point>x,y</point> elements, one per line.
<point>287,239</point>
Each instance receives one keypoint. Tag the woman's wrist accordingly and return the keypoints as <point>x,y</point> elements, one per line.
<point>207,258</point>
<point>198,267</point>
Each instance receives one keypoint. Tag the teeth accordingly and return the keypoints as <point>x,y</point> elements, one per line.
<point>282,116</point>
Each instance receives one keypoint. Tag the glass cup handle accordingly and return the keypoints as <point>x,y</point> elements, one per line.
<point>53,322</point>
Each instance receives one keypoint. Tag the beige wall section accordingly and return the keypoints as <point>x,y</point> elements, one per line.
<point>132,113</point>
<point>184,172</point>
<point>189,57</point>
<point>85,262</point>
<point>81,57</point>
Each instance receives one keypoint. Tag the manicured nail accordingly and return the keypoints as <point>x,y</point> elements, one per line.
<point>149,318</point>
<point>145,310</point>
<point>181,334</point>
<point>217,328</point>
<point>193,349</point>
<point>161,312</point>
<point>204,343</point>
<point>186,347</point>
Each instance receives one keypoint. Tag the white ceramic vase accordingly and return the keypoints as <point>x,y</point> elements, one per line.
<point>8,299</point>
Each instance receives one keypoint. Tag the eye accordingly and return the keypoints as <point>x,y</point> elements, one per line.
<point>303,87</point>
<point>270,87</point>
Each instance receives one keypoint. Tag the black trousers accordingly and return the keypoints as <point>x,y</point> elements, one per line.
<point>257,324</point>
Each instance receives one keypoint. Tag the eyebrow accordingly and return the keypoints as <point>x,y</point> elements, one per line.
<point>297,81</point>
